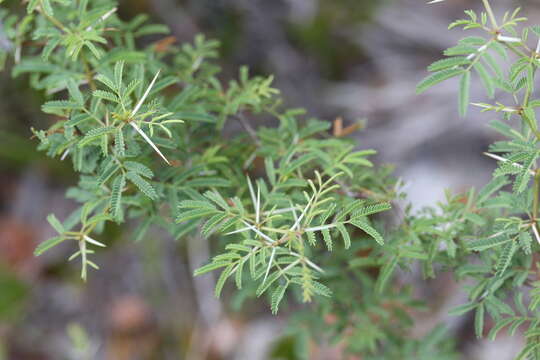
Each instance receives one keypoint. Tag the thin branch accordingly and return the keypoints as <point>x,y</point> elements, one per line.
<point>251,132</point>
<point>490,13</point>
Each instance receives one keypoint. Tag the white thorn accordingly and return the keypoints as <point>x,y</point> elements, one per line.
<point>147,139</point>
<point>258,232</point>
<point>278,211</point>
<point>482,48</point>
<point>535,231</point>
<point>319,228</point>
<point>252,193</point>
<point>500,158</point>
<point>309,262</point>
<point>238,231</point>
<point>297,223</point>
<point>92,241</point>
<point>64,155</point>
<point>269,264</point>
<point>104,17</point>
<point>508,39</point>
<point>258,205</point>
<point>145,94</point>
<point>483,106</point>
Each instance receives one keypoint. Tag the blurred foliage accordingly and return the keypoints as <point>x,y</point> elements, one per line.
<point>325,34</point>
<point>13,293</point>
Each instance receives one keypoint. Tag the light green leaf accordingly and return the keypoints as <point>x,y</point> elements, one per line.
<point>143,185</point>
<point>277,296</point>
<point>386,273</point>
<point>464,90</point>
<point>119,143</point>
<point>94,134</point>
<point>57,225</point>
<point>345,235</point>
<point>106,95</point>
<point>505,258</point>
<point>479,321</point>
<point>436,78</point>
<point>210,267</point>
<point>116,196</point>
<point>486,78</point>
<point>222,279</point>
<point>462,309</point>
<point>448,63</point>
<point>139,168</point>
<point>363,225</point>
<point>47,244</point>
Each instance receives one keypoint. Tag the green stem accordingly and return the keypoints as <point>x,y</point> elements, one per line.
<point>536,196</point>
<point>88,74</point>
<point>490,13</point>
<point>528,92</point>
<point>514,49</point>
<point>55,21</point>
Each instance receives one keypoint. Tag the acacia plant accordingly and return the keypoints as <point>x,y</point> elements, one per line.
<point>289,207</point>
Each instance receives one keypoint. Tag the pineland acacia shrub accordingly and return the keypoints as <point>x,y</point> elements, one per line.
<point>290,208</point>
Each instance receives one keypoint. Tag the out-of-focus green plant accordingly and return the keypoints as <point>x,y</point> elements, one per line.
<point>81,345</point>
<point>322,35</point>
<point>13,293</point>
<point>289,207</point>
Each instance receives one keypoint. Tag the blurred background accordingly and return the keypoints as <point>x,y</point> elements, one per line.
<point>349,59</point>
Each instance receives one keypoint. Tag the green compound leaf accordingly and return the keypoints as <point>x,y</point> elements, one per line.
<point>437,78</point>
<point>464,90</point>
<point>143,185</point>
